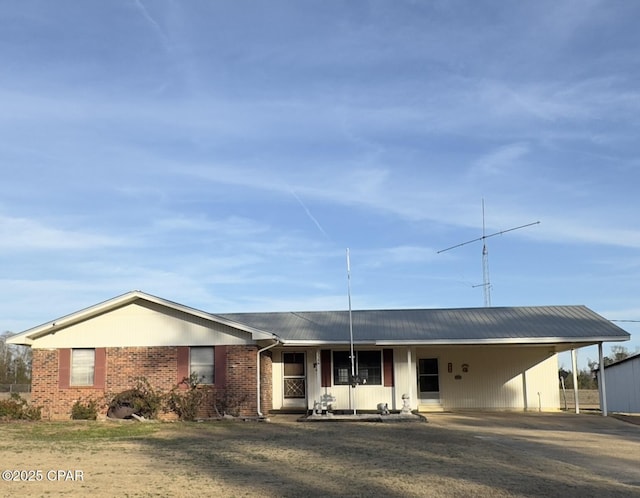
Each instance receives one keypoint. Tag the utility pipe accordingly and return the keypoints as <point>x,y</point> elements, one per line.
<point>260,351</point>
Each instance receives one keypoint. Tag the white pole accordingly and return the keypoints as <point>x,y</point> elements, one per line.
<point>601,383</point>
<point>414,401</point>
<point>574,367</point>
<point>352,356</point>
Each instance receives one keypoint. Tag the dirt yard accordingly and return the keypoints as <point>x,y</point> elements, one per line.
<point>452,455</point>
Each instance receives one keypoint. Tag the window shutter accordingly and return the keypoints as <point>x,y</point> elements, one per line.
<point>325,367</point>
<point>183,365</point>
<point>64,368</point>
<point>100,368</point>
<point>387,361</point>
<point>220,366</point>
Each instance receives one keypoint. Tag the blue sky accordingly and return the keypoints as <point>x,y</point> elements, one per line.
<point>225,154</point>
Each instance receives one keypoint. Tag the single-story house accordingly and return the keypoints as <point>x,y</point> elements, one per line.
<point>494,358</point>
<point>623,385</point>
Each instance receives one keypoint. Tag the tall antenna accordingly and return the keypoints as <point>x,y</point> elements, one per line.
<point>486,282</point>
<point>352,356</point>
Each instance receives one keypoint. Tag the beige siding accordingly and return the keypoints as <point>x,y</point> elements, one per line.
<point>278,374</point>
<point>498,378</point>
<point>364,397</point>
<point>143,324</point>
<point>404,360</point>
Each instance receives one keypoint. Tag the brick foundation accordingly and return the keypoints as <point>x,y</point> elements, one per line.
<point>158,365</point>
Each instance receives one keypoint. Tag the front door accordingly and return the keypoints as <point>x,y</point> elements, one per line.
<point>428,381</point>
<point>294,389</point>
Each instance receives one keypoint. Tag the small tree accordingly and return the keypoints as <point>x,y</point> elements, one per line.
<point>15,362</point>
<point>586,378</point>
<point>618,353</point>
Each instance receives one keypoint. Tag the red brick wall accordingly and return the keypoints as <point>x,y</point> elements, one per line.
<point>266,382</point>
<point>159,366</point>
<point>241,378</point>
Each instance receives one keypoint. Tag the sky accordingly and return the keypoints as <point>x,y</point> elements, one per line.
<point>225,154</point>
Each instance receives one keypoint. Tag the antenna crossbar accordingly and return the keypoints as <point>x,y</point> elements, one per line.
<point>487,236</point>
<point>486,284</point>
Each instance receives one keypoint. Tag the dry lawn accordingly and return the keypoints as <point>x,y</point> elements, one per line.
<point>461,455</point>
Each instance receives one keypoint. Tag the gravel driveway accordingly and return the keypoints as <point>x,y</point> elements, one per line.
<point>452,455</point>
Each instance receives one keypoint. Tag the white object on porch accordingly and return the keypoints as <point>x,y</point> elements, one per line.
<point>324,406</point>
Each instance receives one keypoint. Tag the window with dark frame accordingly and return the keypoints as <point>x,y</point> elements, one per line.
<point>202,363</point>
<point>368,367</point>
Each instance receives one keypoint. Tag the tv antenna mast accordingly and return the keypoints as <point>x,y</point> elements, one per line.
<point>486,282</point>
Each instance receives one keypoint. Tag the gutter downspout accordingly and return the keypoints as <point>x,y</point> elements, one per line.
<point>260,351</point>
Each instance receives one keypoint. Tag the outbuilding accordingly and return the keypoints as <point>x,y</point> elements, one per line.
<point>623,385</point>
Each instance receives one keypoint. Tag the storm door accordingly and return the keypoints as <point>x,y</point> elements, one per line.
<point>294,389</point>
<point>428,380</point>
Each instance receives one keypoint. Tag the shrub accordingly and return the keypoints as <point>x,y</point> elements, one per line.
<point>229,404</point>
<point>186,404</point>
<point>17,408</point>
<point>143,400</point>
<point>85,410</point>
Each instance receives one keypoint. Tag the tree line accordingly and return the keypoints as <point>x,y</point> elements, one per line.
<point>15,362</point>
<point>587,378</point>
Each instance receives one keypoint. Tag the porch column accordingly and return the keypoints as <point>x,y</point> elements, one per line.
<point>574,369</point>
<point>602,388</point>
<point>318,379</point>
<point>411,379</point>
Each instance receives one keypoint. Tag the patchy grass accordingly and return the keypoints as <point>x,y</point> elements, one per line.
<point>79,430</point>
<point>494,455</point>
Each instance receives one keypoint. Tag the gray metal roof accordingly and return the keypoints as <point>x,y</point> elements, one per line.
<point>539,324</point>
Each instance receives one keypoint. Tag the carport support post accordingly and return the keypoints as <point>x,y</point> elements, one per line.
<point>574,368</point>
<point>602,388</point>
<point>411,379</point>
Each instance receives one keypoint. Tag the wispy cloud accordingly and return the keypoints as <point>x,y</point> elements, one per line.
<point>24,234</point>
<point>503,159</point>
<point>154,24</point>
<point>308,213</point>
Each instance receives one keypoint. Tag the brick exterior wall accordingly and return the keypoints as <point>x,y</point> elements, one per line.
<point>266,382</point>
<point>159,365</point>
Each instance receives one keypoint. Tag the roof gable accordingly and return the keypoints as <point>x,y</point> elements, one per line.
<point>112,306</point>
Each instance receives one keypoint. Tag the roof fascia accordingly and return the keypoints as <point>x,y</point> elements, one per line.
<point>508,340</point>
<point>627,359</point>
<point>29,336</point>
<point>582,341</point>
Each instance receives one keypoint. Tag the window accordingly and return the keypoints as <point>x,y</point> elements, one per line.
<point>368,366</point>
<point>201,363</point>
<point>83,362</point>
<point>341,367</point>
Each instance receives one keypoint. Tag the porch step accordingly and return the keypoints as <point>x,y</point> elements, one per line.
<point>430,407</point>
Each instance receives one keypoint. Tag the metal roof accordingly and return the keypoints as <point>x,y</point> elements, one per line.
<point>634,357</point>
<point>492,325</point>
<point>514,325</point>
